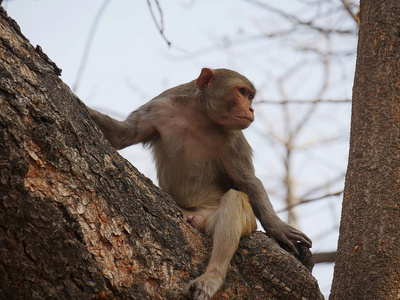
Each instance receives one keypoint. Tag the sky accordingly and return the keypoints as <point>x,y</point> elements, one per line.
<point>129,63</point>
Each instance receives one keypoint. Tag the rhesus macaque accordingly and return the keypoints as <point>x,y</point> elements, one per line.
<point>204,162</point>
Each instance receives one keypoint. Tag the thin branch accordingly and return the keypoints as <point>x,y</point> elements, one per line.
<point>322,186</point>
<point>326,53</point>
<point>321,197</point>
<point>238,42</point>
<point>297,21</point>
<point>322,141</point>
<point>309,200</point>
<point>346,5</point>
<point>317,101</point>
<point>307,116</point>
<point>159,25</point>
<point>88,45</point>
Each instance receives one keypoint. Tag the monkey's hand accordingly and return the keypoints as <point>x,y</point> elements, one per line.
<point>204,287</point>
<point>287,235</point>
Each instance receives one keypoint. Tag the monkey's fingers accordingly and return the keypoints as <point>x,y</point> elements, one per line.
<point>283,240</point>
<point>303,240</point>
<point>298,236</point>
<point>291,246</point>
<point>291,237</point>
<point>197,290</point>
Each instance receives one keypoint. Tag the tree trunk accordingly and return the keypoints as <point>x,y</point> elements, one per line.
<point>77,221</point>
<point>368,259</point>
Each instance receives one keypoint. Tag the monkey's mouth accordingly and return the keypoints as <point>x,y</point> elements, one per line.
<point>246,118</point>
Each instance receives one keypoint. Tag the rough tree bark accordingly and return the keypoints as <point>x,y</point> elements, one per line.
<point>77,221</point>
<point>368,258</point>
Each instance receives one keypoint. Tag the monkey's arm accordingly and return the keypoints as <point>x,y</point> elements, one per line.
<point>139,127</point>
<point>273,225</point>
<point>241,171</point>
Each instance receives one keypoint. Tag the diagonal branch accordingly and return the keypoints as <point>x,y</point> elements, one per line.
<point>88,45</point>
<point>160,24</point>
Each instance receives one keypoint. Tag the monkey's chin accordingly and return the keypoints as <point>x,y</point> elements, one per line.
<point>243,122</point>
<point>244,127</point>
<point>237,126</point>
<point>234,123</point>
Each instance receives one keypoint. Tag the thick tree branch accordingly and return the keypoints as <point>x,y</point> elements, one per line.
<point>324,257</point>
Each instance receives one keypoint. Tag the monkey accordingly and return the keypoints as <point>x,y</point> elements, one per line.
<point>205,163</point>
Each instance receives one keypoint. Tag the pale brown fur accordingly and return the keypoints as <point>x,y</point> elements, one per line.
<point>204,162</point>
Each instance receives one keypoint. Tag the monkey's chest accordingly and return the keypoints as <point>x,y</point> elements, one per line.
<point>185,141</point>
<point>188,168</point>
<point>188,159</point>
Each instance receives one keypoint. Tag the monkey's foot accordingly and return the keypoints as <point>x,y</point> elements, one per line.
<point>203,287</point>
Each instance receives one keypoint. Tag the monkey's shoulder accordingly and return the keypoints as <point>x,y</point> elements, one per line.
<point>182,139</point>
<point>185,127</point>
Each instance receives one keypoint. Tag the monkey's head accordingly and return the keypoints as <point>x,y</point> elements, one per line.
<point>228,97</point>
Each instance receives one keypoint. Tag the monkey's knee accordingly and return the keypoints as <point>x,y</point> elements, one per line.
<point>239,201</point>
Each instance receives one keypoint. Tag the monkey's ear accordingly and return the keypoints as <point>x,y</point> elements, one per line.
<point>205,78</point>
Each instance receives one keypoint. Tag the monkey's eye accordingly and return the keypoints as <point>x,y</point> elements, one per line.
<point>251,96</point>
<point>242,91</point>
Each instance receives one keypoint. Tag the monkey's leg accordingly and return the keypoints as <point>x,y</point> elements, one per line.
<point>228,224</point>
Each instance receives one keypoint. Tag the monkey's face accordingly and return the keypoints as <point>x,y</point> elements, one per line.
<point>235,112</point>
<point>228,96</point>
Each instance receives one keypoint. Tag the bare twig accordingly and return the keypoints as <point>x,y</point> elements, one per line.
<point>237,42</point>
<point>88,45</point>
<point>317,101</point>
<point>346,5</point>
<point>326,53</point>
<point>322,186</point>
<point>160,24</point>
<point>297,21</point>
<point>307,116</point>
<point>321,197</point>
<point>289,207</point>
<point>321,141</point>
